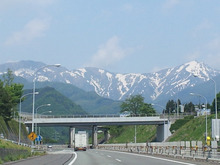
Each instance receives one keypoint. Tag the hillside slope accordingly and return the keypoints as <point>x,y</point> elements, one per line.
<point>10,131</point>
<point>60,105</point>
<point>194,130</point>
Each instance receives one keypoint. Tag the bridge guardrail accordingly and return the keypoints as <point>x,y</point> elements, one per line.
<point>28,116</point>
<point>182,149</point>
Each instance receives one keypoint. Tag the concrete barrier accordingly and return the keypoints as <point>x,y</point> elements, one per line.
<point>182,149</point>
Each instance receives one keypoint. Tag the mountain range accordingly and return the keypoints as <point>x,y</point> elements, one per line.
<point>157,87</point>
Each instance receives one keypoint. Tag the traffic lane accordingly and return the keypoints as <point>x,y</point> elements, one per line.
<point>165,160</point>
<point>102,157</point>
<point>50,159</point>
<point>133,158</point>
<point>92,157</point>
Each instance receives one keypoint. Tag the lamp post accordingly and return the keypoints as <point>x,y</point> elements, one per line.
<point>41,114</point>
<point>44,105</point>
<point>135,134</point>
<point>19,136</point>
<point>55,65</point>
<point>216,111</point>
<point>216,107</point>
<point>195,94</point>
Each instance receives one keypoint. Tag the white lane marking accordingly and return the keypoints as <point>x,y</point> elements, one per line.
<point>174,161</point>
<point>109,156</point>
<point>71,163</point>
<point>118,160</point>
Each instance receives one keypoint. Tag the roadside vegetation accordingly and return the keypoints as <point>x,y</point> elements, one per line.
<point>126,134</point>
<point>12,152</point>
<point>193,130</point>
<point>10,94</point>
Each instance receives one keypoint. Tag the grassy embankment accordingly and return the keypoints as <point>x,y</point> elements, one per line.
<point>187,129</point>
<point>193,130</point>
<point>10,151</point>
<point>125,134</point>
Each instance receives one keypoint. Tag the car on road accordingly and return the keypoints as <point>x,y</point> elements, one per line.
<point>125,114</point>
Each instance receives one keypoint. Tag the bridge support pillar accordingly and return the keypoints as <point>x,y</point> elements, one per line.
<point>71,137</point>
<point>94,136</point>
<point>163,132</point>
<point>106,135</point>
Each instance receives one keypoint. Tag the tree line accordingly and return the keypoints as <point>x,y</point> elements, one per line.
<point>135,105</point>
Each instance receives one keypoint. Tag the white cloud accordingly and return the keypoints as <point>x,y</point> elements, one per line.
<point>108,53</point>
<point>127,7</point>
<point>213,52</point>
<point>193,56</point>
<point>214,45</point>
<point>33,29</point>
<point>202,28</point>
<point>170,4</point>
<point>11,3</point>
<point>208,53</point>
<point>157,68</point>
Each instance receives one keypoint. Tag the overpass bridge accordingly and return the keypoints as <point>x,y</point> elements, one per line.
<point>93,122</point>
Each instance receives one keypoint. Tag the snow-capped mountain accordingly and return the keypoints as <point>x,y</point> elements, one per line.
<point>152,86</point>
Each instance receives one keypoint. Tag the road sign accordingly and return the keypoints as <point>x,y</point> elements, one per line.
<point>32,136</point>
<point>39,138</point>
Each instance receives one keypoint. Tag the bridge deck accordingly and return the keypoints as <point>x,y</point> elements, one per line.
<point>98,121</point>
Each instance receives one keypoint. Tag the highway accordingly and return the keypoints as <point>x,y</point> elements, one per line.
<point>101,157</point>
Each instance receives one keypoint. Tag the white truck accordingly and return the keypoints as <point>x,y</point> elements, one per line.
<point>81,141</point>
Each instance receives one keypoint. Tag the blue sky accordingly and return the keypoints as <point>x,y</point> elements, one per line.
<point>121,36</point>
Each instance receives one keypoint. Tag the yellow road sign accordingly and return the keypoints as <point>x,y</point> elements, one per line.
<point>32,136</point>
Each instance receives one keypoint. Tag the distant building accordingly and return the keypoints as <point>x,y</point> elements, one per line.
<point>202,112</point>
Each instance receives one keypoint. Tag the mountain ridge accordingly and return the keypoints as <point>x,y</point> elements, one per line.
<point>153,86</point>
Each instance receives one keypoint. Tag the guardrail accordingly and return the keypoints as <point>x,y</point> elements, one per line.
<point>28,116</point>
<point>183,149</point>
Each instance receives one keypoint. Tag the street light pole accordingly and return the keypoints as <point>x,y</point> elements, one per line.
<point>195,94</point>
<point>216,107</point>
<point>55,65</point>
<point>135,134</point>
<point>43,113</point>
<point>36,114</point>
<point>19,134</point>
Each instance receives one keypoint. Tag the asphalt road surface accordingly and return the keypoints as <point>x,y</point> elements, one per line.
<point>52,158</point>
<point>101,157</point>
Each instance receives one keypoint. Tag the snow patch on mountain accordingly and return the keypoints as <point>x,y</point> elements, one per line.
<point>164,83</point>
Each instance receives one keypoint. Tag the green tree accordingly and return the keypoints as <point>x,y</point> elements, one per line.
<point>5,103</point>
<point>10,94</point>
<point>136,105</point>
<point>189,107</point>
<point>147,109</point>
<point>8,78</point>
<point>170,106</point>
